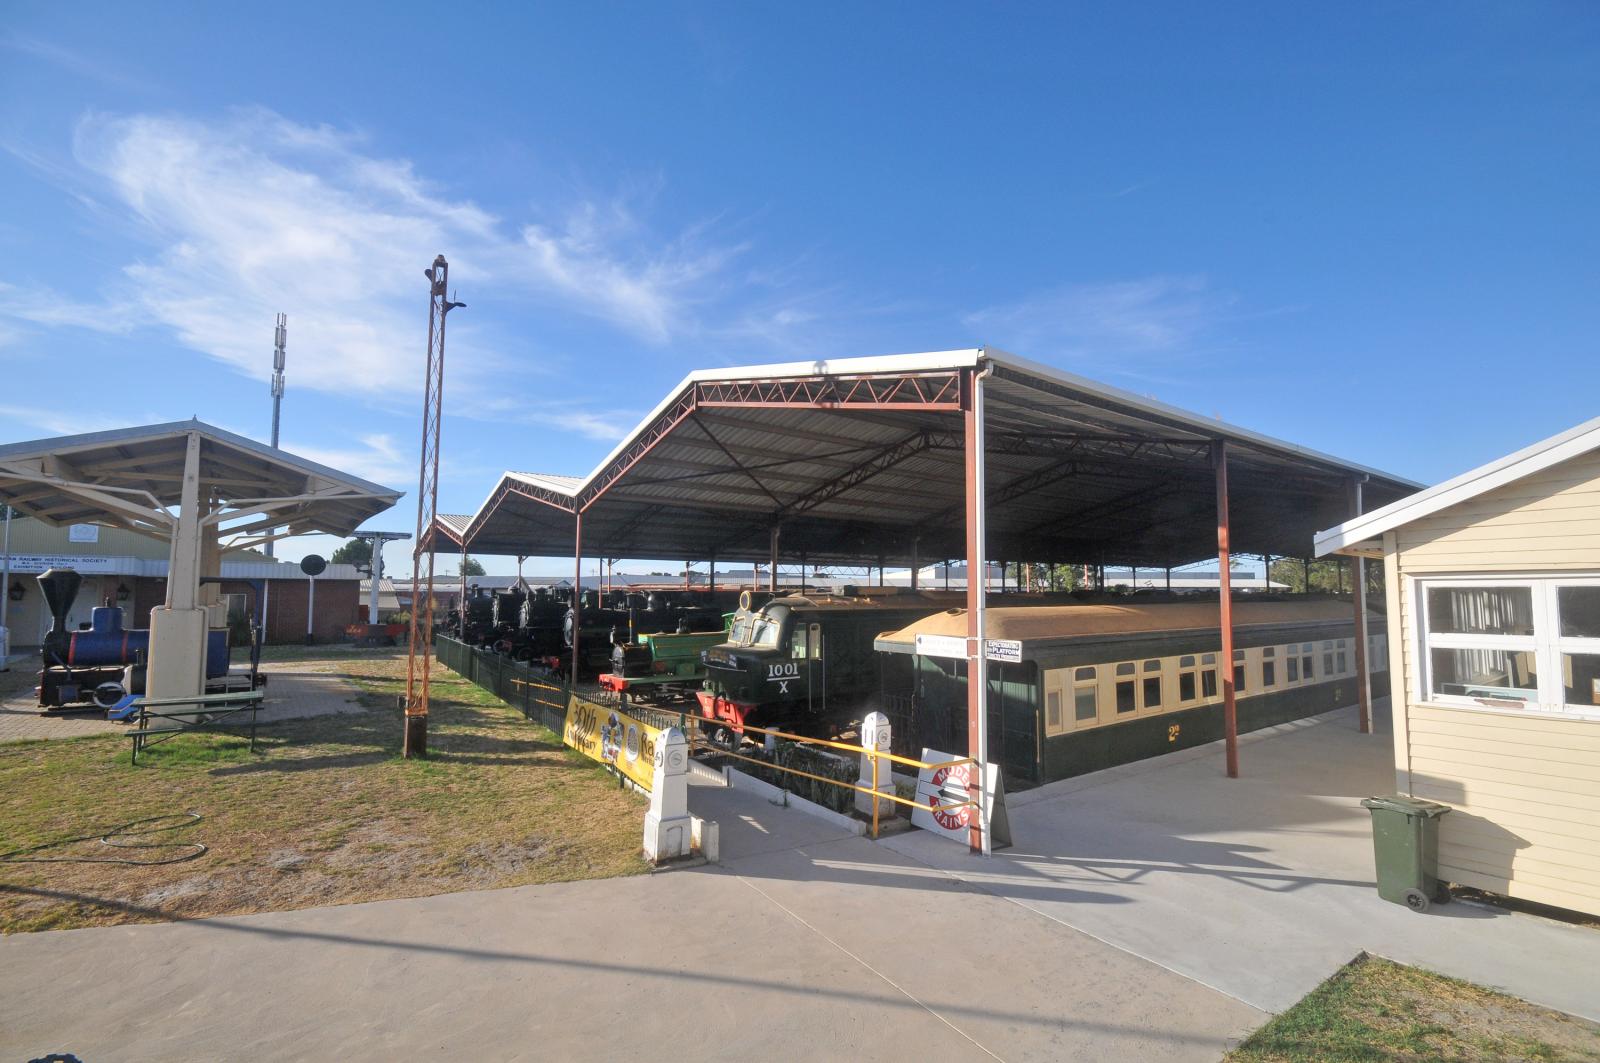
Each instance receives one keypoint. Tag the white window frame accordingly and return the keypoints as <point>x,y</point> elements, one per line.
<point>1546,643</point>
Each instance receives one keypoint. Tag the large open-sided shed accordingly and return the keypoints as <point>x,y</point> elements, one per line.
<point>970,454</point>
<point>863,460</point>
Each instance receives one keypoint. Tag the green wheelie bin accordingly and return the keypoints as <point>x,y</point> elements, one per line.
<point>1405,847</point>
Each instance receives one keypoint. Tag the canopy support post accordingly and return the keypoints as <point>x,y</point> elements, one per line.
<point>977,571</point>
<point>1358,566</point>
<point>577,591</point>
<point>1230,720</point>
<point>772,567</point>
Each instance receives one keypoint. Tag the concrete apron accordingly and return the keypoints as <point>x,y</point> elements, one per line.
<point>806,943</point>
<point>1260,886</point>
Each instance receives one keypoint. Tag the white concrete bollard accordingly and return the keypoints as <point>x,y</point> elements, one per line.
<point>668,831</point>
<point>875,736</point>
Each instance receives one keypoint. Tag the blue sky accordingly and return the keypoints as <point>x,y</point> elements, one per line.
<point>1369,229</point>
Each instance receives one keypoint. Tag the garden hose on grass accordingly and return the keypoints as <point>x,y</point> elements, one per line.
<point>169,821</point>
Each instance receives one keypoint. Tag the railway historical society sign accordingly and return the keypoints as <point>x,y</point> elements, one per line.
<point>942,796</point>
<point>614,738</point>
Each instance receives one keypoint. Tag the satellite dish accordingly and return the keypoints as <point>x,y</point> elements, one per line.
<point>312,564</point>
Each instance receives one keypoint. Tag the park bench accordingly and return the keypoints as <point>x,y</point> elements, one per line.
<point>174,716</point>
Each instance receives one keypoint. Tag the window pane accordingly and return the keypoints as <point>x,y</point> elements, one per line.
<point>1209,658</point>
<point>1305,668</point>
<point>1125,702</point>
<point>1186,686</point>
<point>1125,669</point>
<point>1342,662</point>
<point>1052,711</point>
<point>1502,674</point>
<point>1480,610</point>
<point>1327,664</point>
<point>1580,674</point>
<point>1185,662</point>
<point>1238,677</point>
<point>1083,673</point>
<point>1270,651</point>
<point>1152,666</point>
<point>1269,673</point>
<point>1294,669</point>
<point>1580,613</point>
<point>1152,692</point>
<point>1085,706</point>
<point>1208,684</point>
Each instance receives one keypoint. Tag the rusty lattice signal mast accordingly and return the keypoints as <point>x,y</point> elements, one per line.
<point>419,656</point>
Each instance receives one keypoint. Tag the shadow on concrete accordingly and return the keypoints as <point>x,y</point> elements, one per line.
<point>674,978</point>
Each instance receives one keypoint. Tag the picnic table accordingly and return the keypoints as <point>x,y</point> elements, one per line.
<point>156,716</point>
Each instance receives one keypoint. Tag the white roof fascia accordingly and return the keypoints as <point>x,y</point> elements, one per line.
<point>1572,443</point>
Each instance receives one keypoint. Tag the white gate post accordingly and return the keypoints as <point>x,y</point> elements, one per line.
<point>875,736</point>
<point>668,832</point>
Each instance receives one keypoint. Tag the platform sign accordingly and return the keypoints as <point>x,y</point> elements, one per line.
<point>1008,651</point>
<point>615,739</point>
<point>84,566</point>
<point>942,791</point>
<point>954,647</point>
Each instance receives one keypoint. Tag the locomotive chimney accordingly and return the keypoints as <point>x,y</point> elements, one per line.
<point>60,589</point>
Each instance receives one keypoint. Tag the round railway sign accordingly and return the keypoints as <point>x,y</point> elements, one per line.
<point>951,784</point>
<point>313,564</point>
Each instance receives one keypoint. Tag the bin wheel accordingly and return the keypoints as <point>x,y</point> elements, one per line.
<point>1417,901</point>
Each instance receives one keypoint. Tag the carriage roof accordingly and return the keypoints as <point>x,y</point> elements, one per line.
<point>1040,622</point>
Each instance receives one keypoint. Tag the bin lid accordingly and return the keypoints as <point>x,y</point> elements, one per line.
<point>1411,806</point>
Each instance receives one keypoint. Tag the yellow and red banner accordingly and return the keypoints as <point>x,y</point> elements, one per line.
<point>617,740</point>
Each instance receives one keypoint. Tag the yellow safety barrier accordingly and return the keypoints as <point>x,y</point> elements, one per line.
<point>877,794</point>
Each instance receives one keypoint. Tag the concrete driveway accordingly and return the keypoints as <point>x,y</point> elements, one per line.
<point>806,944</point>
<point>1259,886</point>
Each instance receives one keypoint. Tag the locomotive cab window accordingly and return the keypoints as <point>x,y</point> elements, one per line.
<point>799,647</point>
<point>815,642</point>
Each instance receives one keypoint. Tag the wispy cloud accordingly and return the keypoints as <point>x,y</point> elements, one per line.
<point>1146,318</point>
<point>73,62</point>
<point>377,457</point>
<point>255,214</point>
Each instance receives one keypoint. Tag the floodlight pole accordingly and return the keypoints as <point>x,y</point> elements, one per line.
<point>419,652</point>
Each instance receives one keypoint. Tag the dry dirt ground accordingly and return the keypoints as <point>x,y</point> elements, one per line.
<point>325,812</point>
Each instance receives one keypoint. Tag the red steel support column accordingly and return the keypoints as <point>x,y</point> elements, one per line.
<point>772,568</point>
<point>977,663</point>
<point>1230,719</point>
<point>1359,575</point>
<point>577,591</point>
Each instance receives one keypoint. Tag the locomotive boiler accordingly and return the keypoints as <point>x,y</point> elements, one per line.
<point>97,665</point>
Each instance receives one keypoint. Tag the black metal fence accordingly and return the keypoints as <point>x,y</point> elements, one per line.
<point>536,696</point>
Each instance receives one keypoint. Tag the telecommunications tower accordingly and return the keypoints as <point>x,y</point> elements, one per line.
<point>280,337</point>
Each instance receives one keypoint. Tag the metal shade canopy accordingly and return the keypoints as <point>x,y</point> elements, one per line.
<point>861,460</point>
<point>133,478</point>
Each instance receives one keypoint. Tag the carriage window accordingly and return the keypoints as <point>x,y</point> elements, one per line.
<point>1186,679</point>
<point>1294,669</point>
<point>1052,711</point>
<point>1208,683</point>
<point>1327,663</point>
<point>1342,661</point>
<point>1152,691</point>
<point>1306,670</point>
<point>1125,689</point>
<point>1269,673</point>
<point>1085,697</point>
<point>1239,662</point>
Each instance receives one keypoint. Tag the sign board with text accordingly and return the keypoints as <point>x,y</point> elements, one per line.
<point>83,533</point>
<point>942,793</point>
<point>615,739</point>
<point>954,647</point>
<point>87,566</point>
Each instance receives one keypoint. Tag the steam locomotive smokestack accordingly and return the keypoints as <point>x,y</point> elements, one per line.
<point>60,589</point>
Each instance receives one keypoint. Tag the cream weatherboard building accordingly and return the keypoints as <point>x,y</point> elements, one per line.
<point>1493,582</point>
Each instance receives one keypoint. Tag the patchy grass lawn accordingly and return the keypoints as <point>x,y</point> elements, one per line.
<point>325,812</point>
<point>1374,1009</point>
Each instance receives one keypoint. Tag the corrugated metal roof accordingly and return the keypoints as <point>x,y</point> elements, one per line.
<point>1077,471</point>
